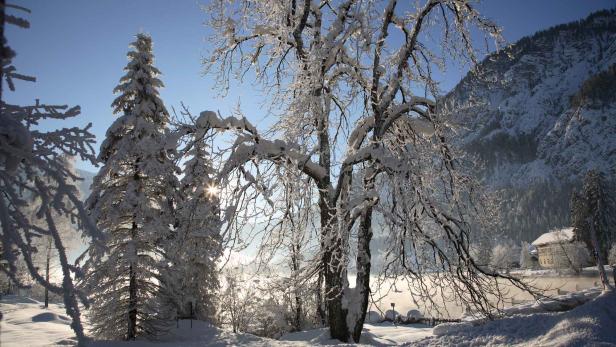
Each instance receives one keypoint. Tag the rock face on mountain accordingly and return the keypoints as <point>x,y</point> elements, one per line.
<point>83,185</point>
<point>539,114</point>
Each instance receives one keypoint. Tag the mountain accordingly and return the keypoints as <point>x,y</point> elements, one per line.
<point>84,184</point>
<point>539,114</point>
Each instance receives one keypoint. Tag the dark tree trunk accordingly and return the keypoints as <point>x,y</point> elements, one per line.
<point>363,270</point>
<point>132,303</point>
<point>47,266</point>
<point>319,298</point>
<point>598,257</point>
<point>297,319</point>
<point>70,299</point>
<point>330,246</point>
<point>331,242</point>
<point>132,295</point>
<point>47,279</point>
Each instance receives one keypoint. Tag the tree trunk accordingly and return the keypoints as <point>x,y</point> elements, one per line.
<point>47,279</point>
<point>319,298</point>
<point>70,300</point>
<point>132,305</point>
<point>331,248</point>
<point>597,252</point>
<point>362,282</point>
<point>297,319</point>
<point>336,313</point>
<point>47,266</point>
<point>132,295</point>
<point>331,242</point>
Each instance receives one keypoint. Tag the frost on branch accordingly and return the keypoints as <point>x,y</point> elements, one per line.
<point>358,115</point>
<point>33,168</point>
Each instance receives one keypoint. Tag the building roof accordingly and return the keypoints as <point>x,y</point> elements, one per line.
<point>562,235</point>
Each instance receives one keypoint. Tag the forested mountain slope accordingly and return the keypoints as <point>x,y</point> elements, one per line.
<point>539,114</point>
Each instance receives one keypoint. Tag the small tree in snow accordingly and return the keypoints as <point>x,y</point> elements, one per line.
<point>238,302</point>
<point>32,168</point>
<point>594,219</point>
<point>526,260</point>
<point>132,201</point>
<point>504,256</point>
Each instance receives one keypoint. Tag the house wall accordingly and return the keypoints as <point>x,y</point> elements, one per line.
<point>562,255</point>
<point>546,256</point>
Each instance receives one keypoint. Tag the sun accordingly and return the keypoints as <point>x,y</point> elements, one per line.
<point>212,190</point>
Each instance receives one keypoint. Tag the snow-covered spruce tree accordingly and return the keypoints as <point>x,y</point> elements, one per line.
<point>345,91</point>
<point>132,202</point>
<point>594,220</point>
<point>32,168</point>
<point>197,247</point>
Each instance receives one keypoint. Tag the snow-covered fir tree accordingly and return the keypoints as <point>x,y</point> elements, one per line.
<point>198,245</point>
<point>132,202</point>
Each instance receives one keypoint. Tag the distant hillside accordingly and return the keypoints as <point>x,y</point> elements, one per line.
<point>539,114</point>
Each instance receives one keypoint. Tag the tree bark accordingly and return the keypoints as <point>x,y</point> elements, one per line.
<point>331,244</point>
<point>319,298</point>
<point>132,295</point>
<point>362,282</point>
<point>297,319</point>
<point>47,279</point>
<point>47,270</point>
<point>598,257</point>
<point>70,299</point>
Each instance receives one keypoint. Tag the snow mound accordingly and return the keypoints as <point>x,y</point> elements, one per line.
<point>414,315</point>
<point>589,324</point>
<point>450,328</point>
<point>51,317</point>
<point>391,314</point>
<point>26,323</point>
<point>373,317</point>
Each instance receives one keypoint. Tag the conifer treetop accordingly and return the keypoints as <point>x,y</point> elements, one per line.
<point>138,88</point>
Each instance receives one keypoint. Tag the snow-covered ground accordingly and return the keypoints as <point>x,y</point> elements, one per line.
<point>26,323</point>
<point>592,324</point>
<point>381,334</point>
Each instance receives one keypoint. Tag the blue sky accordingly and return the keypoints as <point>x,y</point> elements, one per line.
<point>77,50</point>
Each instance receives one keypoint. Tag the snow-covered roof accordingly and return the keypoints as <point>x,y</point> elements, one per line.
<point>562,235</point>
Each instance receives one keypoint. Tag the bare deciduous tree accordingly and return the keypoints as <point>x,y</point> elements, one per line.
<point>358,118</point>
